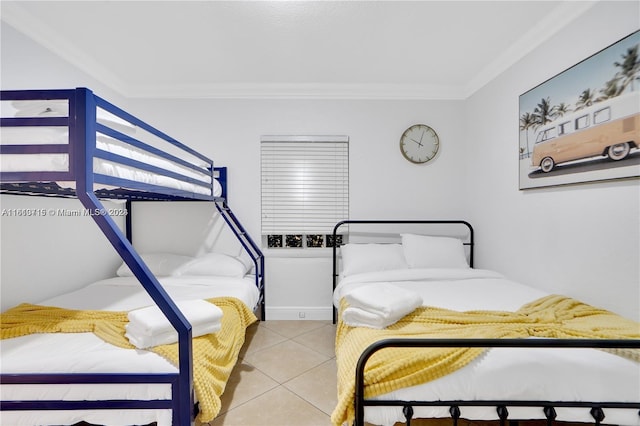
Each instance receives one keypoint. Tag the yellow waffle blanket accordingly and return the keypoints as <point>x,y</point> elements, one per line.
<point>214,355</point>
<point>393,368</point>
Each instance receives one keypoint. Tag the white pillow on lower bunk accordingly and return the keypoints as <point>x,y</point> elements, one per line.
<point>160,264</point>
<point>423,251</point>
<point>215,264</point>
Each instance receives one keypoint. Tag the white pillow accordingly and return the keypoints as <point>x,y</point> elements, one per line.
<point>422,251</point>
<point>160,264</point>
<point>217,187</point>
<point>60,108</point>
<point>215,264</point>
<point>359,258</point>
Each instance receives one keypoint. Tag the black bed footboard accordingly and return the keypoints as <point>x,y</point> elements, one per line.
<point>548,408</point>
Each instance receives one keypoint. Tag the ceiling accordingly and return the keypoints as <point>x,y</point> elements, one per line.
<point>292,49</point>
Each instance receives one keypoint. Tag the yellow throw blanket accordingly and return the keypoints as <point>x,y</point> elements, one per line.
<point>394,368</point>
<point>214,355</point>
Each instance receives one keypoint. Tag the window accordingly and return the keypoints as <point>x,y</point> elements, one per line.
<point>582,122</point>
<point>602,115</point>
<point>305,189</point>
<point>547,134</point>
<point>564,128</point>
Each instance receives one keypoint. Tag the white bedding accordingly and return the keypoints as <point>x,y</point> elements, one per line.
<point>504,373</point>
<point>85,352</point>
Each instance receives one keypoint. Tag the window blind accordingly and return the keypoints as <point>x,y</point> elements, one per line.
<point>305,183</point>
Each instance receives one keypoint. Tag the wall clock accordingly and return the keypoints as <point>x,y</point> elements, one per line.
<point>419,143</point>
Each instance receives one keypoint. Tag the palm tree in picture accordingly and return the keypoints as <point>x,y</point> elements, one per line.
<point>561,109</point>
<point>629,68</point>
<point>527,121</point>
<point>543,112</point>
<point>585,99</point>
<point>610,89</point>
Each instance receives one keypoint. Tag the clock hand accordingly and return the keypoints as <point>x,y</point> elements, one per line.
<point>419,143</point>
<point>421,136</point>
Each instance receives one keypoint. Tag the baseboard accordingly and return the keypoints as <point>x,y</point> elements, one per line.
<point>313,313</point>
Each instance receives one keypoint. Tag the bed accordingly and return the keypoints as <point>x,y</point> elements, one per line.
<point>73,143</point>
<point>422,334</point>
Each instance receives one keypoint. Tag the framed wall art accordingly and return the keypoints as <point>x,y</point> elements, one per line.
<point>583,125</point>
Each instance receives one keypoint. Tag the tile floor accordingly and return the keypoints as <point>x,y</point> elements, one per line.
<point>286,375</point>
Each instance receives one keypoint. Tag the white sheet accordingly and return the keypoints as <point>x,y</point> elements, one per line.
<point>85,352</point>
<point>505,373</point>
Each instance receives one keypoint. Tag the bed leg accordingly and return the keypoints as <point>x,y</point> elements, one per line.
<point>455,414</point>
<point>597,414</point>
<point>550,414</point>
<point>407,410</point>
<point>503,413</point>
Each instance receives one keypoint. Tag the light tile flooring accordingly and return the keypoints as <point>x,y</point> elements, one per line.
<point>286,375</point>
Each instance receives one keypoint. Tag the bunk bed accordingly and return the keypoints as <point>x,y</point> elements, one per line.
<point>422,334</point>
<point>73,143</point>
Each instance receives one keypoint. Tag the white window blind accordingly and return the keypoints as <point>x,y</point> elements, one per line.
<point>305,183</point>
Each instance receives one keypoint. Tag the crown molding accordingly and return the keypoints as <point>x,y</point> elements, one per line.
<point>565,13</point>
<point>42,33</point>
<point>299,91</point>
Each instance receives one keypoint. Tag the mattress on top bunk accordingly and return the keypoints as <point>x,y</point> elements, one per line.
<point>60,162</point>
<point>499,373</point>
<point>59,135</point>
<point>87,353</point>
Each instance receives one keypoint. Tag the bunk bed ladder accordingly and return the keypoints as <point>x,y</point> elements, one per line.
<point>249,245</point>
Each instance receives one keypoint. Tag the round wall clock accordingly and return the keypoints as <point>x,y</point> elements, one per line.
<point>419,143</point>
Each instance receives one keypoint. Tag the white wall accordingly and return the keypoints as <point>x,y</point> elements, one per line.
<point>382,184</point>
<point>580,240</point>
<point>45,256</point>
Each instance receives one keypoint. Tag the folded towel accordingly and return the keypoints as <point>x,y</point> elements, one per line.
<point>385,299</point>
<point>149,327</point>
<point>142,341</point>
<point>379,305</point>
<point>356,317</point>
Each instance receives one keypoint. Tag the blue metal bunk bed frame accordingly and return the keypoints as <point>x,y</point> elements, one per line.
<point>548,407</point>
<point>82,125</point>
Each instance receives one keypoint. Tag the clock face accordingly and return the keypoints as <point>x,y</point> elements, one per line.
<point>419,143</point>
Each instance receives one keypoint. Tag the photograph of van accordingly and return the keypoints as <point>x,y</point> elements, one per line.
<point>605,129</point>
<point>583,124</point>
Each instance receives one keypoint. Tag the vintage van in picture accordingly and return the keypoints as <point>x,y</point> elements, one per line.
<point>610,128</point>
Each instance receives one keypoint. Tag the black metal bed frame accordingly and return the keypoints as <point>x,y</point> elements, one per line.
<point>548,407</point>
